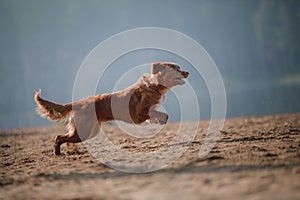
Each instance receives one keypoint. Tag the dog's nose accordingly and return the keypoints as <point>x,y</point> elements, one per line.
<point>185,74</point>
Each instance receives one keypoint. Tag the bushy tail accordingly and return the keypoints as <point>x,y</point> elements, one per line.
<point>51,110</point>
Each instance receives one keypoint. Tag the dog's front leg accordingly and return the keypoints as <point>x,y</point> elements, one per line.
<point>158,117</point>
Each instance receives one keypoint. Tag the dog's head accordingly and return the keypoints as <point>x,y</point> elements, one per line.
<point>169,74</point>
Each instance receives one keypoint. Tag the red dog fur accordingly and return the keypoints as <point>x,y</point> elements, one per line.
<point>134,104</point>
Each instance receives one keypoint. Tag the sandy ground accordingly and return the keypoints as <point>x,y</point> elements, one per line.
<point>254,158</point>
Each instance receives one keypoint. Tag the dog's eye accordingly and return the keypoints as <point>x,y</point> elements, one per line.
<point>176,67</point>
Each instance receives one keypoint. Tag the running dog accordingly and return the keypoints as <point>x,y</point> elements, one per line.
<point>135,104</point>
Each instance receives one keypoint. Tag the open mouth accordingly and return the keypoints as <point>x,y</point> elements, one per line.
<point>179,80</point>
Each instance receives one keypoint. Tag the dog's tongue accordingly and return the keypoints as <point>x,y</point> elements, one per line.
<point>185,74</point>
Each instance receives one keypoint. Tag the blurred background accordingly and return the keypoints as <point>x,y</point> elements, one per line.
<point>255,44</point>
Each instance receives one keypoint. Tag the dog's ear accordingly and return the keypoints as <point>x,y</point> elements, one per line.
<point>157,67</point>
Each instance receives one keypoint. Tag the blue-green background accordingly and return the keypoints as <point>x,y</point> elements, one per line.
<point>254,43</point>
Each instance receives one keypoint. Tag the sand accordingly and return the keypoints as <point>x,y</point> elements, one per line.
<point>253,158</point>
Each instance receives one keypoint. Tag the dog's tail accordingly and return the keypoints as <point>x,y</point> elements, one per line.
<point>51,110</point>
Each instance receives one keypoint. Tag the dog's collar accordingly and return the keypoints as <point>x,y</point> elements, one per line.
<point>156,89</point>
<point>153,90</point>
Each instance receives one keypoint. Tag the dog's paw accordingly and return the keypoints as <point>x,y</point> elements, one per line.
<point>161,119</point>
<point>57,150</point>
<point>57,145</point>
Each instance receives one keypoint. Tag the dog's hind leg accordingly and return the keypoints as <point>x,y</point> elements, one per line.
<point>72,137</point>
<point>87,131</point>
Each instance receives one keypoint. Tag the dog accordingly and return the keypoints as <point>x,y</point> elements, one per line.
<point>136,104</point>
